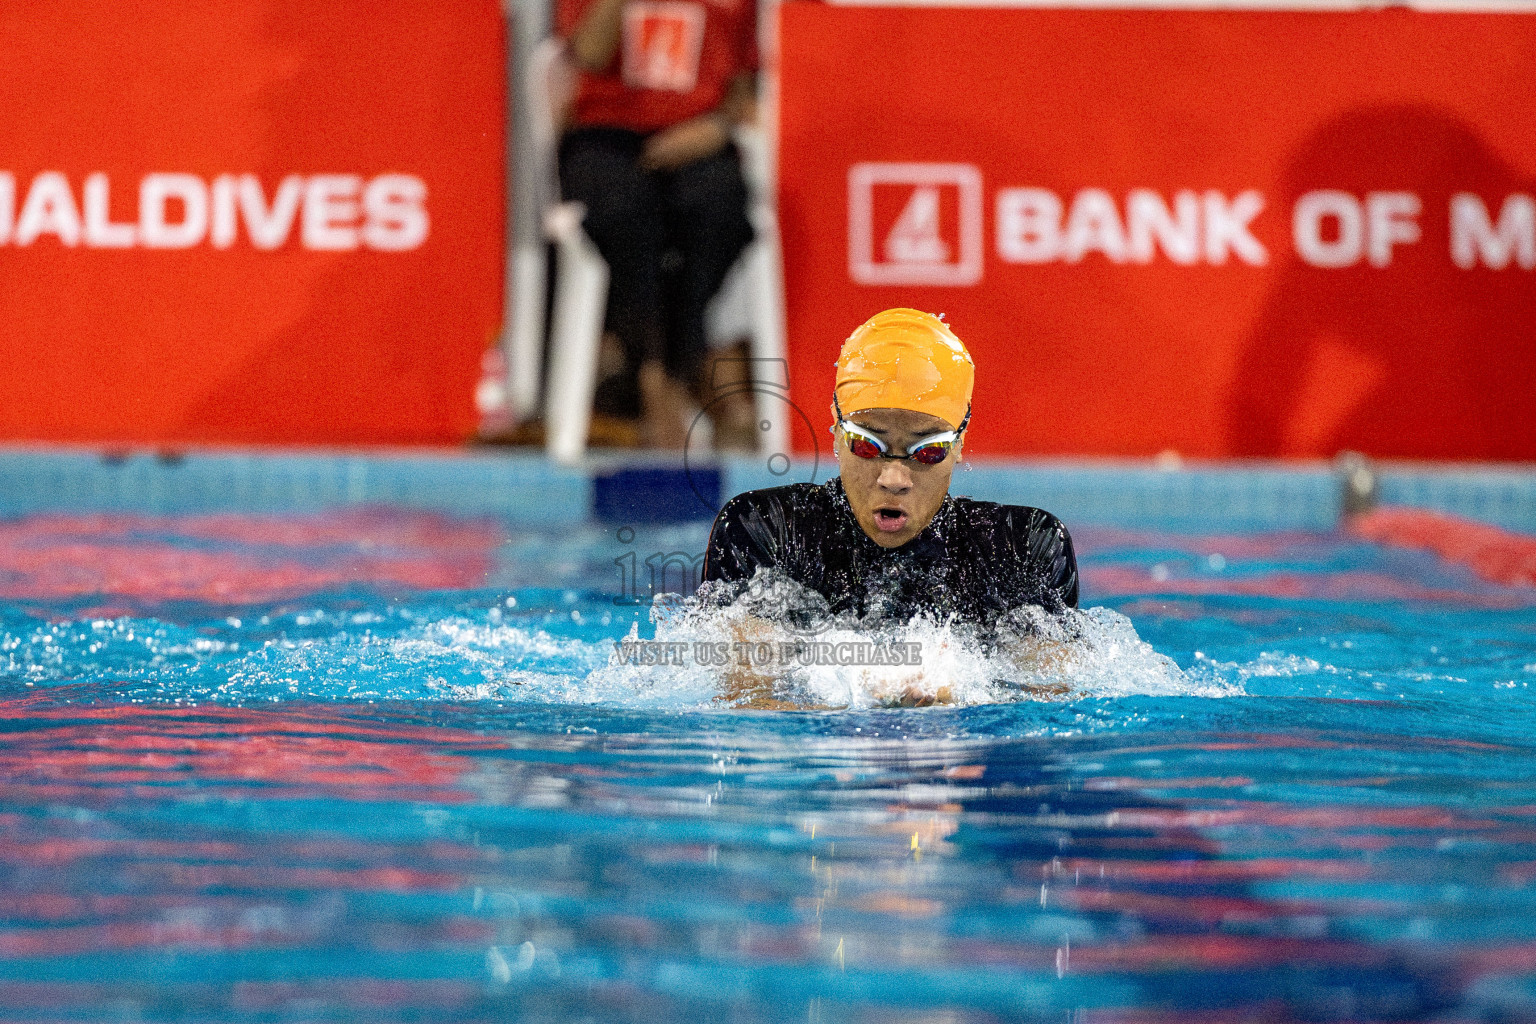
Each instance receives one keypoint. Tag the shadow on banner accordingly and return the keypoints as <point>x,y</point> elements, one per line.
<point>1421,357</point>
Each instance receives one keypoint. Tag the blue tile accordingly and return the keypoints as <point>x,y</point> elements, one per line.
<point>527,489</point>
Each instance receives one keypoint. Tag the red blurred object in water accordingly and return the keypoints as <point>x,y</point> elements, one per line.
<point>1499,556</point>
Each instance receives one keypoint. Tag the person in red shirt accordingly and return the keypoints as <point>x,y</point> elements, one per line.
<point>648,151</point>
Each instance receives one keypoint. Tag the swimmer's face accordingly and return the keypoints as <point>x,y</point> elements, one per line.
<point>895,499</point>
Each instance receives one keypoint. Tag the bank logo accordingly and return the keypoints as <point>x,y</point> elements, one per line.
<point>914,224</point>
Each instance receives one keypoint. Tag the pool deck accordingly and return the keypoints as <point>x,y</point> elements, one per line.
<point>526,489</point>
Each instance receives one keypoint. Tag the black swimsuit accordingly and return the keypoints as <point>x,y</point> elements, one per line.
<point>976,561</point>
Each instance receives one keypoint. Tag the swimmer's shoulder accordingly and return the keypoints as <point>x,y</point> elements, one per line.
<point>1041,545</point>
<point>789,499</point>
<point>765,527</point>
<point>1018,520</point>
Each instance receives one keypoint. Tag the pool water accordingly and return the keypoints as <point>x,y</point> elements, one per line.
<point>382,766</point>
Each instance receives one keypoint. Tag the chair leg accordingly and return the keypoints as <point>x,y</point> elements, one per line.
<point>768,331</point>
<point>524,342</point>
<point>581,298</point>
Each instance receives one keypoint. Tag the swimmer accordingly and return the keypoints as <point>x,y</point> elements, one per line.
<point>884,539</point>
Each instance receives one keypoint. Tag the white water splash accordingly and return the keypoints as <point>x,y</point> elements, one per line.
<point>1090,653</point>
<point>464,656</point>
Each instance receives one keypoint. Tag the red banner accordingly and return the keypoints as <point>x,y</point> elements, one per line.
<point>1222,233</point>
<point>261,221</point>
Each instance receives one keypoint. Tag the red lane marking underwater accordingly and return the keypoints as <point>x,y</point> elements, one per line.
<point>239,559</point>
<point>1349,585</point>
<point>1496,555</point>
<point>227,749</point>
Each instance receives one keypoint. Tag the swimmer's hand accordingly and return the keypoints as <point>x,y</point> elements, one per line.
<point>904,689</point>
<point>915,695</point>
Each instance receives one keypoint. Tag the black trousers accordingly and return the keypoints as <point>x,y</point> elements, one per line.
<point>669,238</point>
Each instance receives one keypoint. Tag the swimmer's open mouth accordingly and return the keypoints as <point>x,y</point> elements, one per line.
<point>890,520</point>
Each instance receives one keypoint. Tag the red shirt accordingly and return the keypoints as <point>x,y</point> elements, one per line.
<point>676,59</point>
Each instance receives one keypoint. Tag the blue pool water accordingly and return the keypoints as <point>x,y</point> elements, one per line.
<point>380,766</point>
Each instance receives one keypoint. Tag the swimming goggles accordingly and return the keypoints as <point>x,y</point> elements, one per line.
<point>929,451</point>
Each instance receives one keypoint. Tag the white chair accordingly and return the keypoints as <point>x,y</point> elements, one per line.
<point>581,282</point>
<point>581,278</point>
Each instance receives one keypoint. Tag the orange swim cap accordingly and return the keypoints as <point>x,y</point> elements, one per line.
<point>905,359</point>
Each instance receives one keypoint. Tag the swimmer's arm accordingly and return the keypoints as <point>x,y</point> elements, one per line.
<point>753,687</point>
<point>749,534</point>
<point>1036,659</point>
<point>1035,656</point>
<point>1039,541</point>
<point>1039,656</point>
<point>749,686</point>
